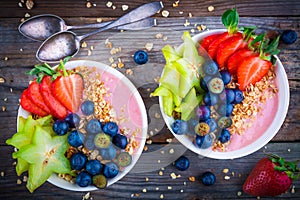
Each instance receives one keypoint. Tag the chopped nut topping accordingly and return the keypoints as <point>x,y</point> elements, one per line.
<point>27,15</point>
<point>165,13</point>
<point>125,7</point>
<point>109,4</point>
<point>225,171</point>
<point>149,46</point>
<point>2,174</point>
<point>99,19</point>
<point>192,178</point>
<point>19,182</point>
<point>210,8</point>
<point>29,4</point>
<point>176,4</point>
<point>2,80</point>
<point>88,4</point>
<point>226,177</point>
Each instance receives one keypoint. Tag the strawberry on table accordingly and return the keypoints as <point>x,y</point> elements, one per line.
<point>35,96</point>
<point>271,176</point>
<point>30,106</point>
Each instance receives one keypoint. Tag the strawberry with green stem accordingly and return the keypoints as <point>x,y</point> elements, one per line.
<point>271,176</point>
<point>253,68</point>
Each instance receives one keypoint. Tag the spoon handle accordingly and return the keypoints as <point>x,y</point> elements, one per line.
<point>138,25</point>
<point>137,14</point>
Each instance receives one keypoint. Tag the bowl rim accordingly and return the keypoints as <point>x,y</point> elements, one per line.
<point>59,182</point>
<point>282,109</point>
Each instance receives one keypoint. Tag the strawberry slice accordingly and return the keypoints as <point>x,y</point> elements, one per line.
<point>30,106</point>
<point>69,90</point>
<point>57,109</point>
<point>236,58</point>
<point>208,40</point>
<point>252,70</point>
<point>228,47</point>
<point>36,97</point>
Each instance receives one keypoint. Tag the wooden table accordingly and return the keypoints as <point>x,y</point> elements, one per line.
<point>17,56</point>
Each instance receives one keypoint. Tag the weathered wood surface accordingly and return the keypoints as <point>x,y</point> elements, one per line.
<point>268,15</point>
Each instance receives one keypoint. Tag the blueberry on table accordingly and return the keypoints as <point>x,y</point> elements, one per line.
<point>289,36</point>
<point>93,167</point>
<point>83,179</point>
<point>110,170</point>
<point>210,68</point>
<point>87,107</point>
<point>120,141</point>
<point>110,128</point>
<point>93,126</point>
<point>224,136</point>
<point>78,161</point>
<point>179,127</point>
<point>140,57</point>
<point>75,138</point>
<point>208,178</point>
<point>60,127</point>
<point>226,76</point>
<point>108,153</point>
<point>73,120</point>
<point>203,112</point>
<point>182,163</point>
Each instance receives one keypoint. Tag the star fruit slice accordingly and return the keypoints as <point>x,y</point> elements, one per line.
<point>45,156</point>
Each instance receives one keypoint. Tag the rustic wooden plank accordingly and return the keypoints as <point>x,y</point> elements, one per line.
<point>69,8</point>
<point>181,188</point>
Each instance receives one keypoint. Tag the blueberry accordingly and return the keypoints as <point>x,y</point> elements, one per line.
<point>140,57</point>
<point>203,113</point>
<point>230,95</point>
<point>210,99</point>
<point>226,76</point>
<point>120,141</point>
<point>289,36</point>
<point>93,126</point>
<point>75,138</point>
<point>191,126</point>
<point>224,136</point>
<point>210,68</point>
<point>212,124</point>
<point>93,167</point>
<point>203,82</point>
<point>204,142</point>
<point>110,128</point>
<point>238,97</point>
<point>89,142</point>
<point>87,108</point>
<point>60,127</point>
<point>73,120</point>
<point>182,163</point>
<point>208,178</point>
<point>78,161</point>
<point>225,109</point>
<point>83,179</point>
<point>110,170</point>
<point>108,153</point>
<point>216,85</point>
<point>179,127</point>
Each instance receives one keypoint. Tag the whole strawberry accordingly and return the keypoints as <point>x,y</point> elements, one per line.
<point>271,176</point>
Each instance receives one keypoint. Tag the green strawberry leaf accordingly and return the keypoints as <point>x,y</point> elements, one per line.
<point>230,20</point>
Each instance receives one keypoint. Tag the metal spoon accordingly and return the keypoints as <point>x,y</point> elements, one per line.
<point>40,27</point>
<point>67,43</point>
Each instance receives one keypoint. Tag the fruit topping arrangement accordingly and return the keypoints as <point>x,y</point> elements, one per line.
<point>71,129</point>
<point>209,87</point>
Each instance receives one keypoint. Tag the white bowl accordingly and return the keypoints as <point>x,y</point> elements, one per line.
<point>278,118</point>
<point>142,124</point>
